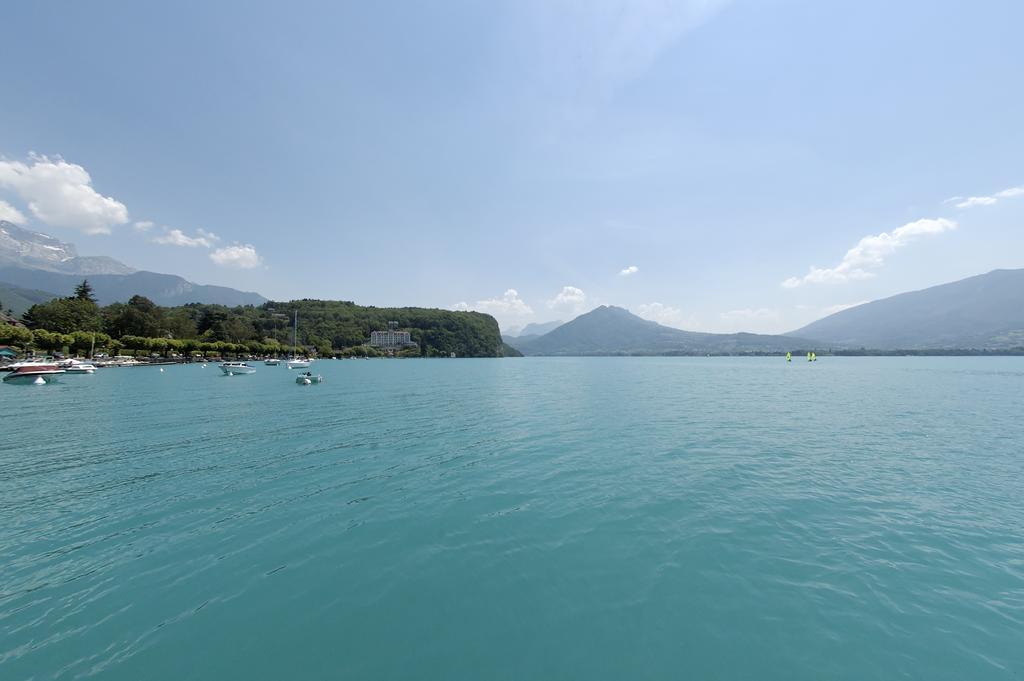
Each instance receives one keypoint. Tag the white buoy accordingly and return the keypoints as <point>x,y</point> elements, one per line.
<point>39,381</point>
<point>161,369</point>
<point>306,381</point>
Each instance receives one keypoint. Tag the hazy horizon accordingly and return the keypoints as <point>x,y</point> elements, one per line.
<point>710,165</point>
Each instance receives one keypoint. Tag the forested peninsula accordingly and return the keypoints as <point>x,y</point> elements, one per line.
<point>326,327</point>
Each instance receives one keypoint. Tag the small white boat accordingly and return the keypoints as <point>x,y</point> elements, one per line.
<point>74,366</point>
<point>309,378</point>
<point>39,374</point>
<point>272,361</point>
<point>236,368</point>
<point>297,362</point>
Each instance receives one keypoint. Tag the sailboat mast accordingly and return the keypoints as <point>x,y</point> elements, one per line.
<point>295,333</point>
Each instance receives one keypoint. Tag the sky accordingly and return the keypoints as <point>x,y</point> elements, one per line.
<point>712,165</point>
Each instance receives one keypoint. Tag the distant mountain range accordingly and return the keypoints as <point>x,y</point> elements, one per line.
<point>535,329</point>
<point>21,247</point>
<point>984,312</point>
<point>35,261</point>
<point>610,330</point>
<point>532,331</point>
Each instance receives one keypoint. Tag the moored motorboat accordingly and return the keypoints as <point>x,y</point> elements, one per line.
<point>309,378</point>
<point>30,362</point>
<point>38,374</point>
<point>74,366</point>
<point>237,369</point>
<point>272,361</point>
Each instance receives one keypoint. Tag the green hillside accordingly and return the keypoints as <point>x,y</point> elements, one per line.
<point>342,324</point>
<point>329,326</point>
<point>17,299</point>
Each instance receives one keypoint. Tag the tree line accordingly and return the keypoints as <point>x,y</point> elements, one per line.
<point>327,326</point>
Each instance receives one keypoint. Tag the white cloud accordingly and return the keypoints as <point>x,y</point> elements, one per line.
<point>870,253</point>
<point>571,301</point>
<point>832,309</point>
<point>632,269</point>
<point>569,295</point>
<point>972,201</point>
<point>11,214</point>
<point>143,225</point>
<point>750,314</point>
<point>667,315</point>
<point>1010,193</point>
<point>508,305</point>
<point>176,237</point>
<point>241,256</point>
<point>60,194</point>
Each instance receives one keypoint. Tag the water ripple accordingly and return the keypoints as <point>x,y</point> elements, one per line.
<point>556,518</point>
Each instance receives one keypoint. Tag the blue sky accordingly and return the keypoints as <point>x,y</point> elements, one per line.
<point>521,157</point>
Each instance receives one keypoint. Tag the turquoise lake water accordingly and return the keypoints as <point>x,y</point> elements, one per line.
<point>600,518</point>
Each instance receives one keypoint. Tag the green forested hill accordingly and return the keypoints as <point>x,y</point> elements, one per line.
<point>17,299</point>
<point>341,324</point>
<point>330,326</point>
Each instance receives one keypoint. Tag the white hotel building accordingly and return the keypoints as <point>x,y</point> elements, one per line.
<point>392,339</point>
